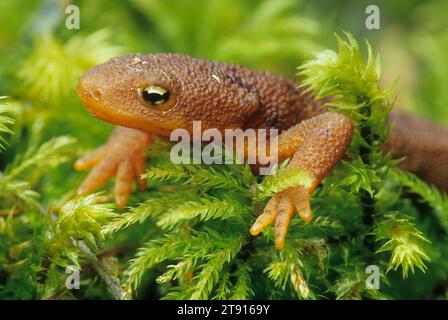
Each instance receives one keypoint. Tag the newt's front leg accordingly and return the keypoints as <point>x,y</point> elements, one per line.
<point>123,156</point>
<point>316,145</point>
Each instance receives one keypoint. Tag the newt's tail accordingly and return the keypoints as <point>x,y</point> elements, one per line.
<point>424,146</point>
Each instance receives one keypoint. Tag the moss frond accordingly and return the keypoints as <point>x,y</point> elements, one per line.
<point>404,240</point>
<point>53,68</point>
<point>429,193</point>
<point>5,122</point>
<point>288,268</point>
<point>203,209</point>
<point>79,219</point>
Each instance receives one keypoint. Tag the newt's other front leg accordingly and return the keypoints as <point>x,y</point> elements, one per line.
<point>316,145</point>
<point>123,156</point>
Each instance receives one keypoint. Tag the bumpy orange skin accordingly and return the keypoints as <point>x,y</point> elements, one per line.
<point>226,96</point>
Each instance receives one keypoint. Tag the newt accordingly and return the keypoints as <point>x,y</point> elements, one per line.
<point>148,95</point>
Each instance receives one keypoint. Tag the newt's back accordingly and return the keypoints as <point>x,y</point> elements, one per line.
<point>282,102</point>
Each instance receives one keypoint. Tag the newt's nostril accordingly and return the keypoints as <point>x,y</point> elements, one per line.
<point>96,94</point>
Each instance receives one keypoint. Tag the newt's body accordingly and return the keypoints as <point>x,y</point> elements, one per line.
<point>158,93</point>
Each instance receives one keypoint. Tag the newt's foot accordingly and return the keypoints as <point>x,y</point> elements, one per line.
<point>280,209</point>
<point>122,156</point>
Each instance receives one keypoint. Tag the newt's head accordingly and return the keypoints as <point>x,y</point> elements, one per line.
<point>162,92</point>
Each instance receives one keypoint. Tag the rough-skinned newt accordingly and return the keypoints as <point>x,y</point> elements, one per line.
<point>148,95</point>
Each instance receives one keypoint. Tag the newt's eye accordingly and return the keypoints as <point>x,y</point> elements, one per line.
<point>155,95</point>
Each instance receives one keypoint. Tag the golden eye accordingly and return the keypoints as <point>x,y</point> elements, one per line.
<point>155,95</point>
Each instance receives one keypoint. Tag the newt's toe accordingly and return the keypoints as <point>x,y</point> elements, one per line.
<point>267,217</point>
<point>123,184</point>
<point>91,159</point>
<point>300,198</point>
<point>140,169</point>
<point>280,208</point>
<point>285,211</point>
<point>97,177</point>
